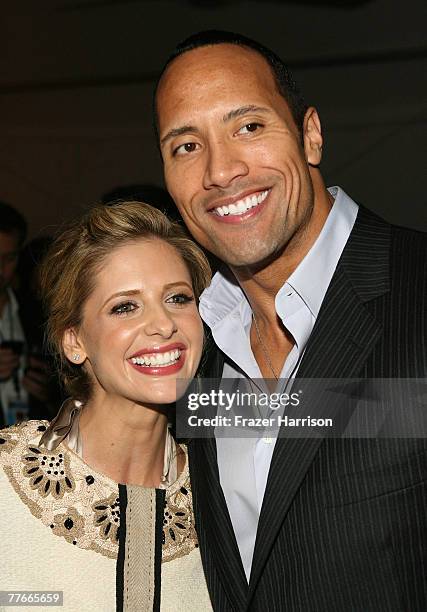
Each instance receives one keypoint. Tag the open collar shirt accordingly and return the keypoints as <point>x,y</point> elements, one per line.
<point>244,463</point>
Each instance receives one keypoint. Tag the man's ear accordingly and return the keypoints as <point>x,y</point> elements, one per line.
<point>73,347</point>
<point>313,140</point>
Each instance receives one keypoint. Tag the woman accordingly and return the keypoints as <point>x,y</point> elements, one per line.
<point>98,503</point>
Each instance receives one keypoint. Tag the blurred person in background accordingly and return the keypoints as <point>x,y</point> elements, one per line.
<point>24,377</point>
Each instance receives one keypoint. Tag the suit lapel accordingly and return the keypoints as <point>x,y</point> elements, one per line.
<point>213,520</point>
<point>342,339</point>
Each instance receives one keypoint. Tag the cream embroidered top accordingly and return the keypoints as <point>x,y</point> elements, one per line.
<point>65,527</point>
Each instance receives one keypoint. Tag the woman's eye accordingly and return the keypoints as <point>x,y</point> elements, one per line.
<point>249,128</point>
<point>123,308</point>
<point>184,149</point>
<point>180,298</point>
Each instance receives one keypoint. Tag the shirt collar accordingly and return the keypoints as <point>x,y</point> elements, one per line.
<point>310,279</point>
<point>313,275</point>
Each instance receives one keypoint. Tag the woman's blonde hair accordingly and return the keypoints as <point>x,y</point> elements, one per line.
<point>68,272</point>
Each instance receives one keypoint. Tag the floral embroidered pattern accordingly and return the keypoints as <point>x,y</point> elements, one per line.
<point>80,505</point>
<point>7,443</point>
<point>68,525</point>
<point>107,517</point>
<point>58,488</point>
<point>48,473</point>
<point>179,534</point>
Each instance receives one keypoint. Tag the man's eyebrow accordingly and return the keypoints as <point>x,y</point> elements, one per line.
<point>244,110</point>
<point>185,129</point>
<point>233,114</point>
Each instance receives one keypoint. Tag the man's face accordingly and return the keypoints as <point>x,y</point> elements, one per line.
<point>9,251</point>
<point>233,158</point>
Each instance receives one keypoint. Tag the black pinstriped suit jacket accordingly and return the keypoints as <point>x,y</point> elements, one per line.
<point>343,525</point>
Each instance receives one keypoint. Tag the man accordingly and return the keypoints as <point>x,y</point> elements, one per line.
<point>320,288</point>
<point>16,384</point>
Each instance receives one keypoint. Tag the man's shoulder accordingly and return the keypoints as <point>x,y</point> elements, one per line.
<point>372,229</point>
<point>406,235</point>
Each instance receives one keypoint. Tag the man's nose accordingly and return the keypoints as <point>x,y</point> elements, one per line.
<point>159,321</point>
<point>224,165</point>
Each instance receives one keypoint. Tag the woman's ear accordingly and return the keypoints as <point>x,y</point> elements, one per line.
<point>313,140</point>
<point>73,347</point>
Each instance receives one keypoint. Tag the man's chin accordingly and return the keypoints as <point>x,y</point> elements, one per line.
<point>253,260</point>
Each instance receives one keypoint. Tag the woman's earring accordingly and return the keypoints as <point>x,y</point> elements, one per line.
<point>76,357</point>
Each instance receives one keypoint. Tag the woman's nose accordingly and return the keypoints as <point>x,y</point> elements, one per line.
<point>159,321</point>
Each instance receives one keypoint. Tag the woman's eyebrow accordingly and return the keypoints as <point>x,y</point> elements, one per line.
<point>122,294</point>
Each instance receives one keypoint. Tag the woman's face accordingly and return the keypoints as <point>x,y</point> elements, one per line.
<point>141,330</point>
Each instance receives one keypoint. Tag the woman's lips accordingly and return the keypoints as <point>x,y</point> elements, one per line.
<point>161,370</point>
<point>159,349</point>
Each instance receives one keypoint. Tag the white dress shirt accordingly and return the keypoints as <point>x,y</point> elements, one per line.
<point>244,463</point>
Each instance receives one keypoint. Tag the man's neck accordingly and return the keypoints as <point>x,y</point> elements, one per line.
<point>261,284</point>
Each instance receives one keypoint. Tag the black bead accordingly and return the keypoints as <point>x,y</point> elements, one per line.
<point>41,428</point>
<point>68,523</point>
<point>90,479</point>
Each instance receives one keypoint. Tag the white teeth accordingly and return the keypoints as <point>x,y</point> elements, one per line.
<point>241,206</point>
<point>157,359</point>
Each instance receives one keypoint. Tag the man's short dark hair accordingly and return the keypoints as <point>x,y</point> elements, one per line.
<point>284,80</point>
<point>11,221</point>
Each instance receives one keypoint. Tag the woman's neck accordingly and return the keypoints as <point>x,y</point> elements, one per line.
<point>123,440</point>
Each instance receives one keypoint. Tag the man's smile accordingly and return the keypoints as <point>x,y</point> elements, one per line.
<point>239,208</point>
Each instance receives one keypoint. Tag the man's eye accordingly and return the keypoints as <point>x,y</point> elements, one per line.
<point>249,127</point>
<point>187,147</point>
<point>180,298</point>
<point>123,308</point>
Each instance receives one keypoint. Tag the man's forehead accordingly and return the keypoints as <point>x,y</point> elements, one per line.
<point>215,62</point>
<point>215,74</point>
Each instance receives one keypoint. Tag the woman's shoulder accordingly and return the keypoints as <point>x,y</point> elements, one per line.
<point>15,437</point>
<point>58,489</point>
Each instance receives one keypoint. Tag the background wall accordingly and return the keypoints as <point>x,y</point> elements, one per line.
<point>76,79</point>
